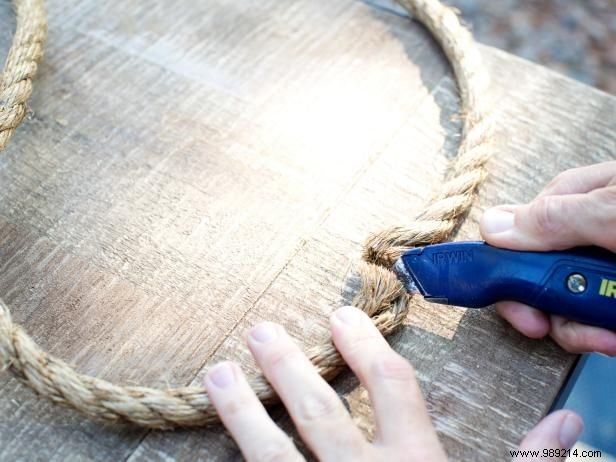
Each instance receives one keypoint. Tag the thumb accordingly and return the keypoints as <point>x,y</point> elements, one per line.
<point>554,222</point>
<point>557,432</point>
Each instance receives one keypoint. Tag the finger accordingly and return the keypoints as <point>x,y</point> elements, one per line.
<point>582,179</point>
<point>580,338</point>
<point>554,222</point>
<point>559,430</point>
<point>258,437</point>
<point>319,415</point>
<point>399,407</point>
<point>525,319</point>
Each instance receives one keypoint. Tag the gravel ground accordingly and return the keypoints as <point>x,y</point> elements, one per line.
<point>575,37</point>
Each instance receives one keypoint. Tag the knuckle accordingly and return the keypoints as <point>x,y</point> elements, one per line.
<point>238,405</point>
<point>360,344</point>
<point>394,367</point>
<point>547,212</point>
<point>562,177</point>
<point>607,196</point>
<point>568,346</point>
<point>317,406</point>
<point>355,446</point>
<point>603,202</point>
<point>568,175</point>
<point>281,356</point>
<point>563,181</point>
<point>275,450</point>
<point>570,340</point>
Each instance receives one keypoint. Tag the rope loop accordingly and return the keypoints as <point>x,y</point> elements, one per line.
<point>380,294</point>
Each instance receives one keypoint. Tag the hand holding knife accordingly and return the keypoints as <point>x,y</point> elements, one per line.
<point>579,284</point>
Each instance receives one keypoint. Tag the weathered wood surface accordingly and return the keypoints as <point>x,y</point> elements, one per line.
<point>193,168</point>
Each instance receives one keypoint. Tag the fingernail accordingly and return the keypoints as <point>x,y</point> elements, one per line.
<point>222,375</point>
<point>497,221</point>
<point>264,332</point>
<point>570,430</point>
<point>348,315</point>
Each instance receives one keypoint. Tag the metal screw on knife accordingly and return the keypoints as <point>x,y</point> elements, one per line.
<point>576,283</point>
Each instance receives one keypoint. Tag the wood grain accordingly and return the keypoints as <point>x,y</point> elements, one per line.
<point>190,170</point>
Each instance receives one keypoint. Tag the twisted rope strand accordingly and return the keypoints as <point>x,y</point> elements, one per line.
<point>380,295</point>
<point>21,65</point>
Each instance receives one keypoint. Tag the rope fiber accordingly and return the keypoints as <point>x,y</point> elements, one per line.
<point>380,294</point>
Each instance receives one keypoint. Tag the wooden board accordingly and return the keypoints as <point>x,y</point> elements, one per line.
<point>191,169</point>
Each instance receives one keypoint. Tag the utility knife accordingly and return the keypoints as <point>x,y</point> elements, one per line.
<point>579,284</point>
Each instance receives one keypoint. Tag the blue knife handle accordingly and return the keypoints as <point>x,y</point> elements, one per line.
<point>579,284</point>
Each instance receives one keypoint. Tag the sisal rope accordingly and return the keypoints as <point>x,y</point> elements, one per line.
<point>21,65</point>
<point>380,295</point>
